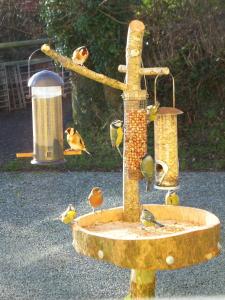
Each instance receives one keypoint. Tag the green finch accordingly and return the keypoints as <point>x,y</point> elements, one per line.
<point>68,216</point>
<point>172,198</point>
<point>147,170</point>
<point>147,219</point>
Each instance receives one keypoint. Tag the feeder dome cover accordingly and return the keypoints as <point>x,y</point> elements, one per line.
<point>45,78</point>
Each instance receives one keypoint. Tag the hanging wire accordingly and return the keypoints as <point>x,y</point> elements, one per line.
<point>155,88</point>
<point>145,81</point>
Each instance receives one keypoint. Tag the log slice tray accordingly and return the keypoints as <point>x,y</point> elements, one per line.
<point>190,236</point>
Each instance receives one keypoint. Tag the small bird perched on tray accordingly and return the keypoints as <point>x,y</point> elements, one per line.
<point>152,111</point>
<point>172,198</point>
<point>68,216</point>
<point>116,134</point>
<point>75,140</point>
<point>147,170</point>
<point>95,198</point>
<point>80,55</point>
<point>147,219</point>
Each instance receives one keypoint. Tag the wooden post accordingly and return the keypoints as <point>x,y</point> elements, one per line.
<point>132,97</point>
<point>142,284</point>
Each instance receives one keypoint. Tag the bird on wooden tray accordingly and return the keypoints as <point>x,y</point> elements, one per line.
<point>116,134</point>
<point>147,170</point>
<point>152,111</point>
<point>172,198</point>
<point>95,198</point>
<point>80,55</point>
<point>75,140</point>
<point>148,219</point>
<point>68,216</point>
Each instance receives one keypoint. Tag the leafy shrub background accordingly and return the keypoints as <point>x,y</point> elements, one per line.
<point>187,36</point>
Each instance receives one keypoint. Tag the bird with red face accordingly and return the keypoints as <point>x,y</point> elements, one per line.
<point>75,140</point>
<point>80,55</point>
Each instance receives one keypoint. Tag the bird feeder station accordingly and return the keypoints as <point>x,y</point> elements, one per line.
<point>190,235</point>
<point>46,91</point>
<point>166,145</point>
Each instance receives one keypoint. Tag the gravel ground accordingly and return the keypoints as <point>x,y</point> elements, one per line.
<point>37,260</point>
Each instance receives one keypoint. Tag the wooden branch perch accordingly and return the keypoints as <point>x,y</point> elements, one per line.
<point>147,71</point>
<point>68,64</point>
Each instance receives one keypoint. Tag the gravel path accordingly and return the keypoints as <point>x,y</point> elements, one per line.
<point>37,260</point>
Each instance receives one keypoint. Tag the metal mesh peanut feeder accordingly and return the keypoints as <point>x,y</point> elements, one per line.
<point>135,129</point>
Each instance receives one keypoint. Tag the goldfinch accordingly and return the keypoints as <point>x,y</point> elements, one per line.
<point>75,140</point>
<point>80,55</point>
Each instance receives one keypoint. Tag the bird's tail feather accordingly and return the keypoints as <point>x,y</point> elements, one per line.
<point>159,224</point>
<point>87,152</point>
<point>119,151</point>
<point>148,186</point>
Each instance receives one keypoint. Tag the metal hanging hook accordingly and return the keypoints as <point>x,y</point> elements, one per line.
<point>28,68</point>
<point>155,89</point>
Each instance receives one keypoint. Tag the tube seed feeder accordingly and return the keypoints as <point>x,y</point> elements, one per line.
<point>166,145</point>
<point>46,91</point>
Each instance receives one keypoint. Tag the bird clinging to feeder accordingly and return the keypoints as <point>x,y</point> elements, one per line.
<point>80,55</point>
<point>152,111</point>
<point>75,140</point>
<point>116,134</point>
<point>95,198</point>
<point>147,170</point>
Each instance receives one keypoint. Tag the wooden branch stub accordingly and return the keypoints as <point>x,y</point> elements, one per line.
<point>82,70</point>
<point>147,71</point>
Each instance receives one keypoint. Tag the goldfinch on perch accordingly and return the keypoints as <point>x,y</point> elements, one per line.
<point>147,219</point>
<point>116,134</point>
<point>152,111</point>
<point>68,216</point>
<point>172,198</point>
<point>95,198</point>
<point>80,55</point>
<point>147,170</point>
<point>75,140</point>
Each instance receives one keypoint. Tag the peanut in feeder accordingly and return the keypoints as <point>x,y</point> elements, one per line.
<point>166,145</point>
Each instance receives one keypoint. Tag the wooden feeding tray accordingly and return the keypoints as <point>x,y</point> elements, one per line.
<point>190,236</point>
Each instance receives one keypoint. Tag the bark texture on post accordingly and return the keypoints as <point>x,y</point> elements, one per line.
<point>142,284</point>
<point>134,109</point>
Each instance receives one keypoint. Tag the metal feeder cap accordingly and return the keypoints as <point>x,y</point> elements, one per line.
<point>45,78</point>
